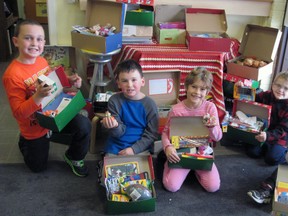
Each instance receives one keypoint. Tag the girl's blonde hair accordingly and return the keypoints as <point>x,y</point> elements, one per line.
<point>199,73</point>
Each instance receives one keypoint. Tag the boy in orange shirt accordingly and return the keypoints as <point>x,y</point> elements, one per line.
<point>25,95</point>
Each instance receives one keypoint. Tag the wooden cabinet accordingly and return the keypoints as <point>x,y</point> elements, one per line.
<point>36,10</point>
<point>7,28</point>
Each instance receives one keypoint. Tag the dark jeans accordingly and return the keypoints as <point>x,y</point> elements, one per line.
<point>274,154</point>
<point>271,180</point>
<point>35,152</point>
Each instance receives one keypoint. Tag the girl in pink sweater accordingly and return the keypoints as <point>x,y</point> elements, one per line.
<point>198,83</point>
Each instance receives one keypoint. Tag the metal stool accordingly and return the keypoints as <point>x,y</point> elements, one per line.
<point>98,78</point>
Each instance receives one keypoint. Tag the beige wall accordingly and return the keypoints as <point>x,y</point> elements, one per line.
<point>62,15</point>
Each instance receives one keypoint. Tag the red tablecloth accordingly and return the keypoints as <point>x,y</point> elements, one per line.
<point>177,57</point>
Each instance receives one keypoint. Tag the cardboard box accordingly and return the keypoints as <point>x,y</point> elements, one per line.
<point>201,21</point>
<point>257,42</point>
<point>139,15</point>
<point>51,102</point>
<point>163,87</point>
<point>192,127</point>
<point>170,13</point>
<point>251,108</point>
<point>278,208</point>
<point>96,13</point>
<point>145,165</point>
<point>137,31</point>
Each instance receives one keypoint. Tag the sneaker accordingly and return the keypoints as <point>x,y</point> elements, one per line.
<point>78,167</point>
<point>260,196</point>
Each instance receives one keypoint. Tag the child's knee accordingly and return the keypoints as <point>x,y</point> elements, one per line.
<point>171,186</point>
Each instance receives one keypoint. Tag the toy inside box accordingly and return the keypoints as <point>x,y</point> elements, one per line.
<point>190,137</point>
<point>163,88</point>
<point>96,16</point>
<point>280,200</point>
<point>62,105</point>
<point>248,119</point>
<point>244,92</point>
<point>170,27</point>
<point>129,182</point>
<point>258,49</point>
<point>206,30</point>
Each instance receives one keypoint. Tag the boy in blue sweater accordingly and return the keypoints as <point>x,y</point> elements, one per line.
<point>132,119</point>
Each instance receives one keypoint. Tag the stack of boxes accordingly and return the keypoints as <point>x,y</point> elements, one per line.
<point>139,21</point>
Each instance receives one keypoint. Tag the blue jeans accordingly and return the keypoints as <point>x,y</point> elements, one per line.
<point>274,154</point>
<point>35,152</point>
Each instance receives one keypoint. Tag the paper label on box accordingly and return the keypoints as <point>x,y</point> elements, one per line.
<point>160,86</point>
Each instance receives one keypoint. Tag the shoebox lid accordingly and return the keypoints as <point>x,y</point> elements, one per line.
<point>144,164</point>
<point>278,207</point>
<point>260,42</point>
<point>52,102</point>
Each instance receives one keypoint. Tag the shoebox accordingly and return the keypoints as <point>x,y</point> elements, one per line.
<point>163,87</point>
<point>142,2</point>
<point>70,103</point>
<point>101,12</point>
<point>258,43</point>
<point>280,199</point>
<point>236,132</point>
<point>247,82</point>
<point>137,31</point>
<point>191,129</point>
<point>125,166</point>
<point>206,30</point>
<point>141,15</point>
<point>170,27</point>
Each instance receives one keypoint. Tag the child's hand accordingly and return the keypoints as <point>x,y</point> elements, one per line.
<point>127,151</point>
<point>172,155</point>
<point>42,91</point>
<point>209,121</point>
<point>109,121</point>
<point>75,80</point>
<point>261,137</point>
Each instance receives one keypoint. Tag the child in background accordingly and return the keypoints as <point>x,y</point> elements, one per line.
<point>266,189</point>
<point>25,95</point>
<point>198,83</point>
<point>133,117</point>
<point>276,137</point>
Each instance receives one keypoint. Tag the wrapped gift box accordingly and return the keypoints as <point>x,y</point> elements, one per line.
<point>144,164</point>
<point>96,13</point>
<point>169,20</point>
<point>251,108</point>
<point>192,127</point>
<point>52,102</point>
<point>201,23</point>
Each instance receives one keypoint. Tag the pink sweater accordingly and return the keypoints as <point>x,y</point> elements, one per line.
<point>181,110</point>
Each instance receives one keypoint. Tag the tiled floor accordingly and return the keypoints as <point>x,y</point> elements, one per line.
<point>9,152</point>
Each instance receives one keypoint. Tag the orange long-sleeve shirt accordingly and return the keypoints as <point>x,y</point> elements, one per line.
<point>19,83</point>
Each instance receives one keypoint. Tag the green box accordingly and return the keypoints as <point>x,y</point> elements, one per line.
<point>51,102</point>
<point>144,16</point>
<point>145,165</point>
<point>251,108</point>
<point>170,36</point>
<point>190,126</point>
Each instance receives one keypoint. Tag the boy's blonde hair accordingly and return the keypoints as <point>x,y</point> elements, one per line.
<point>199,73</point>
<point>281,75</point>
